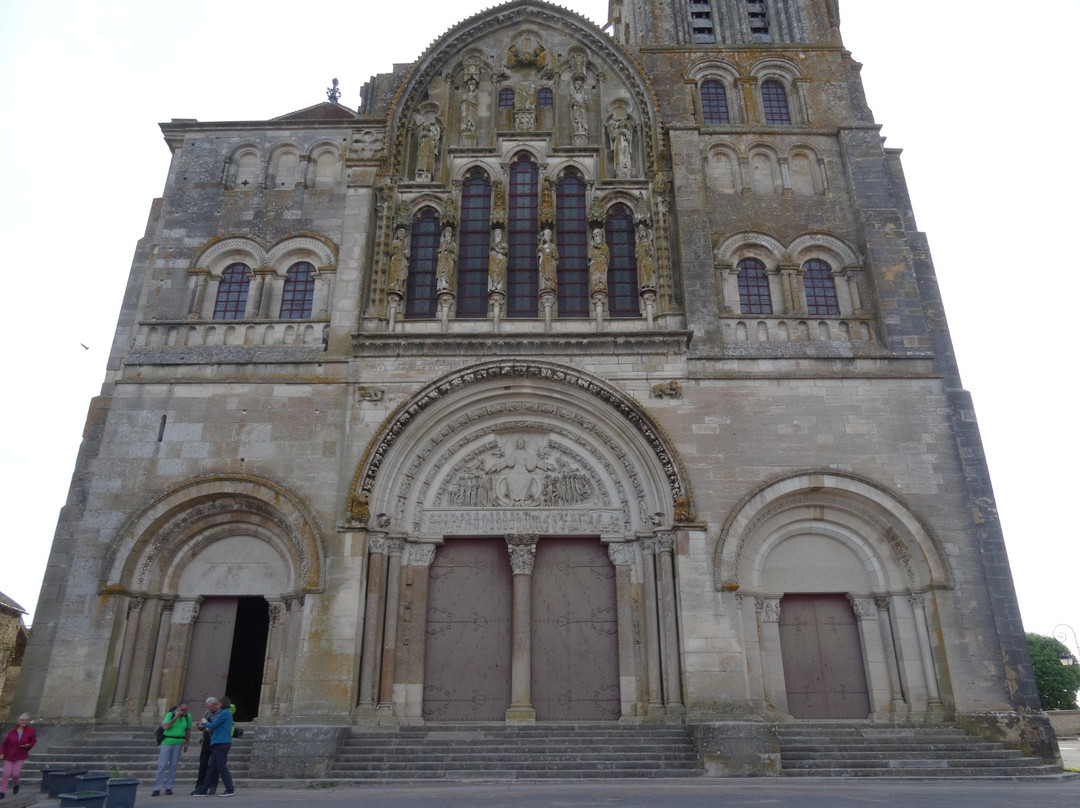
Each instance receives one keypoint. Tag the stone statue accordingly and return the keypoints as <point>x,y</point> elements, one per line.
<point>399,262</point>
<point>646,262</point>
<point>547,261</point>
<point>468,106</point>
<point>621,133</point>
<point>446,268</point>
<point>428,150</point>
<point>579,111</point>
<point>598,262</point>
<point>498,256</point>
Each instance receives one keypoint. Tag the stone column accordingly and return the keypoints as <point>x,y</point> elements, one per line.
<point>265,277</point>
<point>374,616</point>
<point>153,695</point>
<point>772,660</point>
<point>918,605</point>
<point>412,633</point>
<point>655,708</point>
<point>785,175</point>
<point>324,291</point>
<point>198,294</point>
<point>294,619</point>
<point>522,549</point>
<point>389,639</point>
<point>728,287</point>
<point>269,697</point>
<point>896,695</point>
<point>669,629</point>
<point>127,653</point>
<point>854,279</point>
<point>790,287</point>
<point>877,675</point>
<point>623,556</point>
<point>750,96</point>
<point>178,646</point>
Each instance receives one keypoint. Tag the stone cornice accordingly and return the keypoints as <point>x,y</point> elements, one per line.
<point>475,345</point>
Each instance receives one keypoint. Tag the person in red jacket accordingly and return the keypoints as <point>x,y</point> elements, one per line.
<point>14,752</point>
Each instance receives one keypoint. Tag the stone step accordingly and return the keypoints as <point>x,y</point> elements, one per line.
<point>1007,772</point>
<point>869,754</point>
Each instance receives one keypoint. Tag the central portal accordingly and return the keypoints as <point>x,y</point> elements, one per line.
<point>574,632</point>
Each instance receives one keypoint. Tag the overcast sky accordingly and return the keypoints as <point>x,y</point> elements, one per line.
<point>979,95</point>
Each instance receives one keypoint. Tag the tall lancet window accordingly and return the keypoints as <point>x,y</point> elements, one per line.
<point>572,242</point>
<point>232,295</point>
<point>521,271</point>
<point>622,268</point>
<point>473,245</point>
<point>423,256</point>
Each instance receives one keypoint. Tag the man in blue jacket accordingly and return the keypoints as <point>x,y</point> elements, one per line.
<point>220,724</point>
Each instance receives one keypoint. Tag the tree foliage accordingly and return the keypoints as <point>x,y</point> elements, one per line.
<point>1057,683</point>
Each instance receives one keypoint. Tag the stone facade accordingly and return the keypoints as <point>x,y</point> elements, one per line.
<point>562,336</point>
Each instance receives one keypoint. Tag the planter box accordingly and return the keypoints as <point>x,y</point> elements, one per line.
<point>46,779</point>
<point>92,781</point>
<point>62,781</point>
<point>122,793</point>
<point>84,799</point>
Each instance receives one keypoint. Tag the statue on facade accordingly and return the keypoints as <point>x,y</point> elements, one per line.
<point>646,262</point>
<point>547,261</point>
<point>579,113</point>
<point>468,109</point>
<point>621,134</point>
<point>599,257</point>
<point>446,267</point>
<point>430,142</point>
<point>498,256</point>
<point>399,262</point>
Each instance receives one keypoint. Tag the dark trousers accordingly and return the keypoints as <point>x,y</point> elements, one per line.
<point>204,761</point>
<point>219,766</point>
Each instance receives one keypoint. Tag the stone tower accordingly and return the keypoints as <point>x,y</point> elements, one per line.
<point>575,376</point>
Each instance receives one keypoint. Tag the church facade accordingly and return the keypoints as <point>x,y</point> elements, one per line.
<point>578,375</point>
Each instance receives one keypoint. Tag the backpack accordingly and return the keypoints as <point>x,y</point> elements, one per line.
<point>159,733</point>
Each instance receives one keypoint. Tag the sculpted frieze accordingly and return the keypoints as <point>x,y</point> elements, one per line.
<point>550,521</point>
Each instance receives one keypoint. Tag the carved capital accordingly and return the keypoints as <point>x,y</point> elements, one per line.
<point>665,542</point>
<point>420,555</point>
<point>522,547</point>
<point>622,553</point>
<point>864,608</point>
<point>768,608</point>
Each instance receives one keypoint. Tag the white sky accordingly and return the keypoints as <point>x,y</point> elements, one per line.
<point>979,93</point>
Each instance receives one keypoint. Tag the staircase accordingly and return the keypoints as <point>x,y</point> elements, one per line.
<point>500,752</point>
<point>132,752</point>
<point>861,750</point>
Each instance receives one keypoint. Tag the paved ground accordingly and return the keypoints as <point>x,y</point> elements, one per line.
<point>698,793</point>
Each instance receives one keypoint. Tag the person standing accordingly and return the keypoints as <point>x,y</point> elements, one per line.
<point>220,725</point>
<point>177,726</point>
<point>14,751</point>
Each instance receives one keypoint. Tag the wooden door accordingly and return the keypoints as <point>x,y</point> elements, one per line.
<point>211,650</point>
<point>822,655</point>
<point>467,661</point>
<point>575,649</point>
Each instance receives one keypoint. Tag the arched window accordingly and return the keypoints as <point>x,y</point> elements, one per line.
<point>754,297</point>
<point>506,97</point>
<point>572,240</point>
<point>473,245</point>
<point>298,292</point>
<point>544,98</point>
<point>622,267</point>
<point>714,107</point>
<point>232,294</point>
<point>820,288</point>
<point>521,271</point>
<point>423,256</point>
<point>774,99</point>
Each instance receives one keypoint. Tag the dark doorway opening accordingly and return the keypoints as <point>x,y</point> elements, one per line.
<point>248,656</point>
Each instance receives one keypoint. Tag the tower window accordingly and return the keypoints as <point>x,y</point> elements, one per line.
<point>506,97</point>
<point>701,21</point>
<point>423,257</point>
<point>622,268</point>
<point>775,101</point>
<point>759,20</point>
<point>714,106</point>
<point>473,246</point>
<point>754,296</point>
<point>572,242</point>
<point>544,98</point>
<point>298,292</point>
<point>231,302</point>
<point>521,272</point>
<point>820,288</point>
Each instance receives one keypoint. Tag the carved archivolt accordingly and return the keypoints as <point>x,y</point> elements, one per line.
<point>887,528</point>
<point>205,510</point>
<point>510,449</point>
